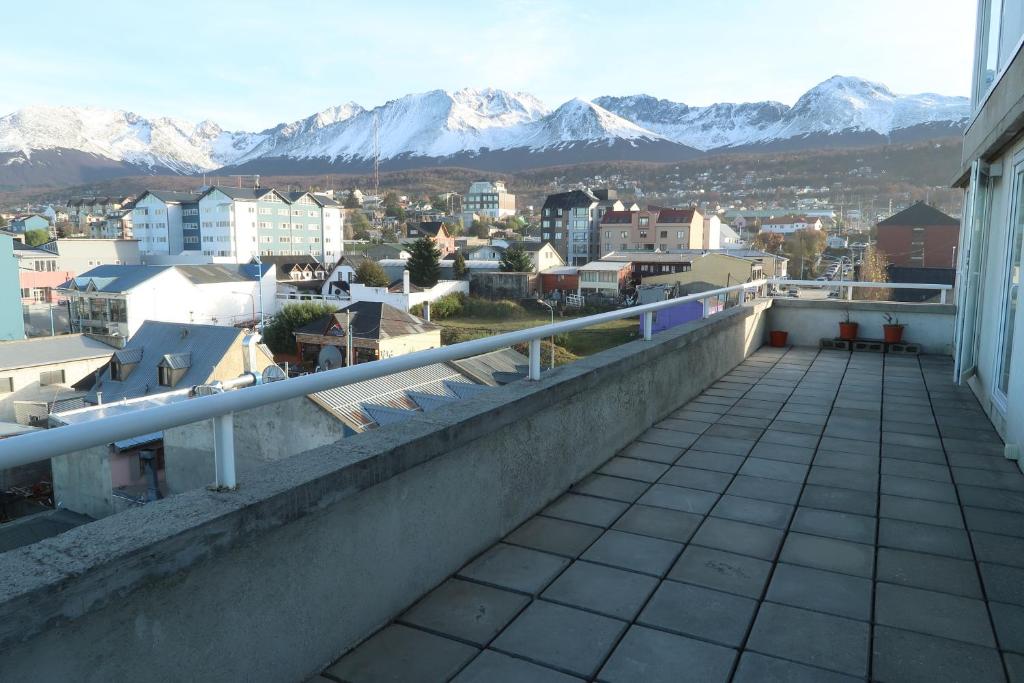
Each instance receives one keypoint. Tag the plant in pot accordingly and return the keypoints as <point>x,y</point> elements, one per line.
<point>893,329</point>
<point>847,329</point>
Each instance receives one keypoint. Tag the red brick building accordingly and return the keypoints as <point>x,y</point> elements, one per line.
<point>920,236</point>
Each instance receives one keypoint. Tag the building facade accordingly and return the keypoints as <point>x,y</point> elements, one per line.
<point>12,322</point>
<point>489,199</point>
<point>652,229</point>
<point>787,225</point>
<point>920,236</point>
<point>989,333</point>
<point>570,222</point>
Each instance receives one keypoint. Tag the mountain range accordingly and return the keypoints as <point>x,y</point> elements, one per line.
<point>477,128</point>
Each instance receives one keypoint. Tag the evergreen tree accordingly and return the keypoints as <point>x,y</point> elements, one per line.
<point>480,228</point>
<point>516,260</point>
<point>278,333</point>
<point>34,238</point>
<point>371,274</point>
<point>424,263</point>
<point>459,266</point>
<point>351,202</point>
<point>357,225</point>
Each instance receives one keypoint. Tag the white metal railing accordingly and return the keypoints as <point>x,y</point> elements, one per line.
<point>850,285</point>
<point>220,407</point>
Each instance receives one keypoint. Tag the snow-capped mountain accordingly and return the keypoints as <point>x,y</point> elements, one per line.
<point>484,128</point>
<point>839,105</point>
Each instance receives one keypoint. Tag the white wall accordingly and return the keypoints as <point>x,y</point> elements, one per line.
<point>79,255</point>
<point>153,229</point>
<point>26,380</point>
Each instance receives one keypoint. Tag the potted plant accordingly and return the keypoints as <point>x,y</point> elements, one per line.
<point>847,329</point>
<point>893,329</point>
<point>778,338</point>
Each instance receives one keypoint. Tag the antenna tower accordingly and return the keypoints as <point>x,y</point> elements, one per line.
<point>376,155</point>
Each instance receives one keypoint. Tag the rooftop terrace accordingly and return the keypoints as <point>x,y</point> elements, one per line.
<point>692,507</point>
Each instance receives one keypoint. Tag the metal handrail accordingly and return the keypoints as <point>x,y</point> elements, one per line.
<point>46,444</point>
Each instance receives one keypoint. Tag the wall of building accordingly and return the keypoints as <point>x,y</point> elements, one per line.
<point>345,536</point>
<point>810,321</point>
<point>79,255</point>
<point>12,324</point>
<point>931,246</point>
<point>26,380</point>
<point>81,482</point>
<point>408,343</point>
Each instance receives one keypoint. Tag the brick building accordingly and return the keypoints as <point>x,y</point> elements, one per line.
<point>920,236</point>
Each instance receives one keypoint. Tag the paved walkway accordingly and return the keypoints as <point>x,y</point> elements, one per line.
<point>810,517</point>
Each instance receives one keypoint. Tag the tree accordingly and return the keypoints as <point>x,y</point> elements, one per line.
<point>424,263</point>
<point>480,228</point>
<point>803,248</point>
<point>454,229</point>
<point>34,238</point>
<point>358,225</point>
<point>459,266</point>
<point>278,334</point>
<point>351,201</point>
<point>768,241</point>
<point>389,235</point>
<point>371,274</point>
<point>874,268</point>
<point>516,260</point>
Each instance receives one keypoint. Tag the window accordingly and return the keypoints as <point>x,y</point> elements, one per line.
<point>48,377</point>
<point>264,211</point>
<point>558,235</point>
<point>680,234</point>
<point>623,235</point>
<point>1012,282</point>
<point>645,221</point>
<point>547,235</point>
<point>607,234</point>
<point>282,212</point>
<point>663,234</point>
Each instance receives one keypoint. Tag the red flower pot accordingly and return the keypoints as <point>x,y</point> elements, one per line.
<point>893,333</point>
<point>777,338</point>
<point>847,331</point>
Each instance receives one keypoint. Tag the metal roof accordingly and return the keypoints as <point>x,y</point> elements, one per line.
<point>370,320</point>
<point>25,353</point>
<point>168,344</point>
<point>129,356</point>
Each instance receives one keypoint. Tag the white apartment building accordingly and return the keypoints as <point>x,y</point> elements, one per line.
<point>157,221</point>
<point>787,225</point>
<point>490,199</point>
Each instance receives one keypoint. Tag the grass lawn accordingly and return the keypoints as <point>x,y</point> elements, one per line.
<point>578,342</point>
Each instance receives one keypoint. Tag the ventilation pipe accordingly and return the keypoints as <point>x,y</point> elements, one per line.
<point>405,282</point>
<point>249,347</point>
<point>99,398</point>
<point>426,311</point>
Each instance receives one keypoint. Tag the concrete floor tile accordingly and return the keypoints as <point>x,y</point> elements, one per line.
<point>937,614</point>
<point>918,470</point>
<point>690,426</point>
<point>729,572</point>
<point>832,524</point>
<point>738,537</point>
<point>563,638</point>
<point>829,554</point>
<point>932,572</point>
<point>998,549</point>
<point>605,590</point>
<point>994,521</point>
<point>924,538</point>
<point>515,568</point>
<point>910,487</point>
<point>656,452</point>
<point>760,488</point>
<point>718,462</point>
<point>679,498</point>
<point>821,591</point>
<point>821,640</point>
<point>670,525</point>
<point>774,469</point>
<point>631,468</point>
<point>667,437</point>
<point>465,611</point>
<point>586,509</point>
<point>841,500</point>
<point>922,511</point>
<point>495,667</point>
<point>847,461</point>
<point>843,479</point>
<point>1002,583</point>
<point>753,511</point>
<point>757,668</point>
<point>694,478</point>
<point>699,612</point>
<point>400,653</point>
<point>723,444</point>
<point>789,438</point>
<point>917,658</point>
<point>631,551</point>
<point>654,656</point>
<point>554,536</point>
<point>784,452</point>
<point>615,488</point>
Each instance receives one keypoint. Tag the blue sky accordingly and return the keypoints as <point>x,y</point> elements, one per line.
<point>253,64</point>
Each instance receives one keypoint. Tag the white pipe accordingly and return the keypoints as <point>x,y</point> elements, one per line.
<point>224,452</point>
<point>45,444</point>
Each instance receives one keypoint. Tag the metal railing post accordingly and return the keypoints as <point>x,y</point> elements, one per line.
<point>942,296</point>
<point>648,325</point>
<point>535,359</point>
<point>224,452</point>
<point>704,308</point>
<point>849,293</point>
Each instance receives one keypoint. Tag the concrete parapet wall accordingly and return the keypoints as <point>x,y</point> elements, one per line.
<point>312,553</point>
<point>808,321</point>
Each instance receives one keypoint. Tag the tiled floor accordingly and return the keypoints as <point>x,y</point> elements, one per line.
<point>810,517</point>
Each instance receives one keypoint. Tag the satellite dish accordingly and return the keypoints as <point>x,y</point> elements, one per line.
<point>273,373</point>
<point>330,358</point>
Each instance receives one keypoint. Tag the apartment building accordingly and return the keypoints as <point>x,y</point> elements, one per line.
<point>234,224</point>
<point>489,199</point>
<point>920,236</point>
<point>83,212</point>
<point>989,332</point>
<point>43,269</point>
<point>652,229</point>
<point>570,222</point>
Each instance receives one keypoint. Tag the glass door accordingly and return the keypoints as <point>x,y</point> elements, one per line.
<point>1011,287</point>
<point>973,242</point>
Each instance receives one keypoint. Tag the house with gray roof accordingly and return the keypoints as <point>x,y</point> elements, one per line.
<point>114,300</point>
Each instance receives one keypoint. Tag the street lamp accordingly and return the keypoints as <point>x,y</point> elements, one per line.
<point>552,310</point>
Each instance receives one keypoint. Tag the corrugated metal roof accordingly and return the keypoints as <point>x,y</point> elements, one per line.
<point>204,345</point>
<point>24,353</point>
<point>495,368</point>
<point>129,356</point>
<point>176,361</point>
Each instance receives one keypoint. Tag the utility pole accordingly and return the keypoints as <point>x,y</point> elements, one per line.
<point>376,156</point>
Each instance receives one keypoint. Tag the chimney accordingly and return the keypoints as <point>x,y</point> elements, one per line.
<point>405,282</point>
<point>426,311</point>
<point>99,398</point>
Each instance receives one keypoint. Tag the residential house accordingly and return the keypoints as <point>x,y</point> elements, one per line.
<point>43,269</point>
<point>607,278</point>
<point>379,252</point>
<point>653,229</point>
<point>644,264</point>
<point>920,236</point>
<point>344,271</point>
<point>83,212</point>
<point>160,364</point>
<point>488,199</point>
<point>28,222</point>
<point>116,300</point>
<point>371,330</point>
<point>12,322</point>
<point>543,255</point>
<point>790,223</point>
<point>718,269</point>
<point>437,232</point>
<point>560,279</point>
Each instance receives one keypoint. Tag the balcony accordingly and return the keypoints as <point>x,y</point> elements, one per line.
<point>697,505</point>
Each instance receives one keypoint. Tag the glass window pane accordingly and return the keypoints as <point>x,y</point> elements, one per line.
<point>1012,283</point>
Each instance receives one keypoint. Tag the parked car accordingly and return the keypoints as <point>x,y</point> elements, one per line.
<point>794,292</point>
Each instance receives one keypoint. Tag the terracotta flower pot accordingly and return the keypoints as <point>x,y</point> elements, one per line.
<point>777,338</point>
<point>847,331</point>
<point>893,333</point>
